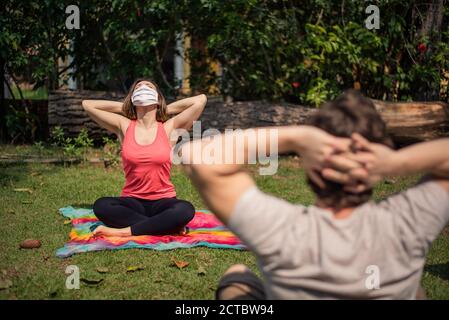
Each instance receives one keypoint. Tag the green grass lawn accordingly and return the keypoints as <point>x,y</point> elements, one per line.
<point>39,274</point>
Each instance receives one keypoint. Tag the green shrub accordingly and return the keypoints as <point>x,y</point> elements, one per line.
<point>305,51</point>
<point>73,147</point>
<point>111,150</point>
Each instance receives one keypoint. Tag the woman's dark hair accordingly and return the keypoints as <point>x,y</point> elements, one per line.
<point>129,109</point>
<point>351,112</point>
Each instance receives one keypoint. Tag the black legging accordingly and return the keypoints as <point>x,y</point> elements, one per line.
<point>145,217</point>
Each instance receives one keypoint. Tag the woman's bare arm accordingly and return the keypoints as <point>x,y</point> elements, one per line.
<point>108,114</point>
<point>187,111</point>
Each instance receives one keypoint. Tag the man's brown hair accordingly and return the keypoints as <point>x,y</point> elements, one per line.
<point>350,113</point>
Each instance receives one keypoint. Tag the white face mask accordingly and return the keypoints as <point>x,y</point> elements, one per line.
<point>144,96</point>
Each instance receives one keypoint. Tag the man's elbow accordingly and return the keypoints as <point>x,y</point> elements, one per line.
<point>194,167</point>
<point>196,171</point>
<point>186,159</point>
<point>202,100</point>
<point>86,104</point>
<point>201,174</point>
<point>196,175</point>
<point>188,170</point>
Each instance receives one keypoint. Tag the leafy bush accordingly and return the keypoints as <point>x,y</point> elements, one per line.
<point>112,149</point>
<point>58,137</point>
<point>40,147</point>
<point>306,51</point>
<point>73,147</point>
<point>21,124</point>
<point>266,47</point>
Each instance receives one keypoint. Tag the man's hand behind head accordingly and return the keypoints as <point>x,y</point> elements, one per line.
<point>315,147</point>
<point>375,162</point>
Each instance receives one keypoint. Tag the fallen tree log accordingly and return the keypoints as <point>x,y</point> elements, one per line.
<point>407,122</point>
<point>65,111</point>
<point>410,122</point>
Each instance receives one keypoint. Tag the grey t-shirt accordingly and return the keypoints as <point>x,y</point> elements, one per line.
<point>376,253</point>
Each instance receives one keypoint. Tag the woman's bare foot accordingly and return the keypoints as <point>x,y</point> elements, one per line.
<point>182,231</point>
<point>111,232</point>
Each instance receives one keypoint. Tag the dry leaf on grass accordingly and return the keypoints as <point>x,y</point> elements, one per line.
<point>102,270</point>
<point>23,190</point>
<point>5,284</point>
<point>201,271</point>
<point>180,264</point>
<point>134,269</point>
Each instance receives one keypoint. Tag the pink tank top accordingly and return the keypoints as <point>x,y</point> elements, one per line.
<point>147,167</point>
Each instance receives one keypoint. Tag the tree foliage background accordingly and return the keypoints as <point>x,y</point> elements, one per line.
<point>303,51</point>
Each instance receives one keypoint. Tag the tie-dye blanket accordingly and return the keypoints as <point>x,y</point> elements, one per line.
<point>204,230</point>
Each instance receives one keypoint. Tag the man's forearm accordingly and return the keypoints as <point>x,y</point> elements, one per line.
<point>428,157</point>
<point>270,140</point>
<point>233,150</point>
<point>221,179</point>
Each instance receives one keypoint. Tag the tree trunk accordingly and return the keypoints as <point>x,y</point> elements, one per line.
<point>433,19</point>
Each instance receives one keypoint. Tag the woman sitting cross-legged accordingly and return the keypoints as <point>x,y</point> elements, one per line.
<point>148,203</point>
